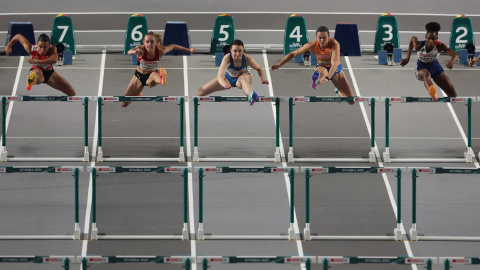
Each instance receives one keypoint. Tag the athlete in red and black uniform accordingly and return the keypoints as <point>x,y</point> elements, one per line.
<point>43,56</point>
<point>148,56</point>
<point>428,67</point>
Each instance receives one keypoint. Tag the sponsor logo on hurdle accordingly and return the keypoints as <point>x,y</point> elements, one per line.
<point>206,99</point>
<point>75,98</point>
<point>97,260</point>
<point>459,99</point>
<point>338,260</point>
<point>106,169</point>
<point>62,169</point>
<point>14,98</point>
<point>49,260</point>
<point>31,169</point>
<point>418,260</point>
<point>110,98</point>
<point>301,99</point>
<point>173,170</point>
<point>361,99</point>
<point>426,170</point>
<point>319,170</point>
<point>398,99</point>
<point>212,169</point>
<point>280,170</point>
<point>293,260</point>
<point>266,99</point>
<point>217,260</point>
<point>174,260</point>
<point>171,99</point>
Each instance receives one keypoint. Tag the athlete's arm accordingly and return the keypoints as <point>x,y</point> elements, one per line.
<point>335,60</point>
<point>20,38</point>
<point>221,72</point>
<point>251,62</point>
<point>171,47</point>
<point>305,48</point>
<point>452,53</point>
<point>50,60</point>
<point>413,44</point>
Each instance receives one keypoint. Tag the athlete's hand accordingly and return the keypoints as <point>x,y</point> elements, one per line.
<point>404,62</point>
<point>32,61</point>
<point>8,50</point>
<point>449,65</point>
<point>139,51</point>
<point>322,80</point>
<point>193,50</point>
<point>265,82</point>
<point>275,67</point>
<point>472,63</point>
<point>227,86</point>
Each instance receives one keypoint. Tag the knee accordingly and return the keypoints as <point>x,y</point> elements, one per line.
<point>201,91</point>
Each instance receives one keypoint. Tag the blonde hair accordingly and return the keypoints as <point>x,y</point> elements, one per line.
<point>157,36</point>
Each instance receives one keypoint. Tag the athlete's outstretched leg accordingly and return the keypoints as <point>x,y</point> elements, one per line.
<point>133,89</point>
<point>58,82</point>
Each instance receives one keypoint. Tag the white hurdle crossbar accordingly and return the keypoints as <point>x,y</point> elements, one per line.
<point>179,99</point>
<point>4,153</point>
<point>397,233</point>
<point>469,156</point>
<point>292,100</point>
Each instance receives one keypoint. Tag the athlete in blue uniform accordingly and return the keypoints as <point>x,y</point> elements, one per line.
<point>233,71</point>
<point>428,67</point>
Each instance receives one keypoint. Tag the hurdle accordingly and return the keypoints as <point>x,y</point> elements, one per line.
<point>435,170</point>
<point>186,260</point>
<point>447,261</point>
<point>100,100</point>
<point>4,153</point>
<point>307,260</point>
<point>326,261</point>
<point>139,169</point>
<point>201,235</point>
<point>468,155</point>
<point>397,232</point>
<point>48,169</point>
<point>198,99</point>
<point>371,155</point>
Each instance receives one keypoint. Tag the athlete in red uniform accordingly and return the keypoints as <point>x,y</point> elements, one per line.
<point>148,56</point>
<point>43,56</point>
<point>327,51</point>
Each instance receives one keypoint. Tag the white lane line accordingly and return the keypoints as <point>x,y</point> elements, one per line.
<point>191,216</point>
<point>284,164</point>
<point>380,164</point>
<point>94,156</point>
<point>14,93</point>
<point>233,12</point>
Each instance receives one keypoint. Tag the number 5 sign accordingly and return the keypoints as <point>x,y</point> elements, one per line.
<point>461,33</point>
<point>223,33</point>
<point>137,27</point>
<point>62,32</point>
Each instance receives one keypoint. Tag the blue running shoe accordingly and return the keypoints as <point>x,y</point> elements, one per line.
<point>252,98</point>
<point>336,92</point>
<point>315,76</point>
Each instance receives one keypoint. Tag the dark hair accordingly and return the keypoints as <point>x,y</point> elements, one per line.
<point>432,27</point>
<point>237,42</point>
<point>43,38</point>
<point>226,49</point>
<point>323,29</point>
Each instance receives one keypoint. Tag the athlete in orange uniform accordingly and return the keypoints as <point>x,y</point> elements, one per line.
<point>148,56</point>
<point>327,51</point>
<point>43,56</point>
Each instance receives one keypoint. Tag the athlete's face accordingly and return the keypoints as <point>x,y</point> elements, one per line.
<point>431,38</point>
<point>323,38</point>
<point>149,42</point>
<point>43,47</point>
<point>237,51</point>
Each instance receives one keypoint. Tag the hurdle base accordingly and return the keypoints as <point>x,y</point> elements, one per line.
<point>397,234</point>
<point>94,232</point>
<point>306,232</point>
<point>86,155</point>
<point>291,232</point>
<point>195,154</point>
<point>469,155</point>
<point>372,157</point>
<point>4,155</point>
<point>413,233</point>
<point>353,237</point>
<point>139,237</point>
<point>290,155</point>
<point>386,157</point>
<point>100,154</point>
<point>185,234</point>
<point>76,233</point>
<point>36,237</point>
<point>200,234</point>
<point>181,155</point>
<point>277,155</point>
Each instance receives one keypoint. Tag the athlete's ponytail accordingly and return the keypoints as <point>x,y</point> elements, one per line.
<point>432,27</point>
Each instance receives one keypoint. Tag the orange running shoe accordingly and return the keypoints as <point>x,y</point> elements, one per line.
<point>31,80</point>
<point>433,92</point>
<point>163,76</point>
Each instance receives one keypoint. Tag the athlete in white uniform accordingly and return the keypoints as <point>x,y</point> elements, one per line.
<point>428,67</point>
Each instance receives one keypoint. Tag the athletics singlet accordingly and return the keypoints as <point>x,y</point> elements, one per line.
<point>428,57</point>
<point>324,56</point>
<point>37,56</point>
<point>149,64</point>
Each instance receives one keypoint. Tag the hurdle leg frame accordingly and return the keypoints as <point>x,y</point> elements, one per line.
<point>76,234</point>
<point>185,232</point>
<point>86,155</point>
<point>413,229</point>
<point>386,154</point>
<point>99,139</point>
<point>306,231</point>
<point>94,232</point>
<point>4,153</point>
<point>371,154</point>
<point>195,130</point>
<point>291,230</point>
<point>469,155</point>
<point>397,232</point>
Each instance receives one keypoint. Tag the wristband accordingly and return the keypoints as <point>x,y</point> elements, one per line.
<point>326,77</point>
